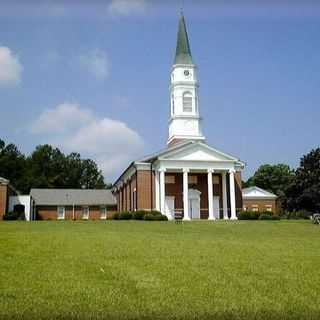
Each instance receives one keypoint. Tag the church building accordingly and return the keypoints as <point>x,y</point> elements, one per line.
<point>188,177</point>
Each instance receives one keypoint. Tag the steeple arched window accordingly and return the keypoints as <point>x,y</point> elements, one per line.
<point>187,102</point>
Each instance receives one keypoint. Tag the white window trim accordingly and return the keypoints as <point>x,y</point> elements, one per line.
<point>104,216</point>
<point>64,212</point>
<point>85,217</point>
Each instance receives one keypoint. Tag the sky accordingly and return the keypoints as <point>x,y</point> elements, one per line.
<point>93,77</point>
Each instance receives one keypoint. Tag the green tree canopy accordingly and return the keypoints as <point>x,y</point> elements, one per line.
<point>12,164</point>
<point>48,167</point>
<point>304,192</point>
<point>274,178</point>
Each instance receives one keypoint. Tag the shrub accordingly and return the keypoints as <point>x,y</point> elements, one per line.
<point>248,215</point>
<point>139,215</point>
<point>125,215</point>
<point>264,216</point>
<point>115,216</point>
<point>155,217</point>
<point>300,214</point>
<point>275,217</point>
<point>14,215</point>
<point>155,212</point>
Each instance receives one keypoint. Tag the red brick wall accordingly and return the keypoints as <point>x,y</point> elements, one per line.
<point>144,182</point>
<point>3,200</point>
<point>238,190</point>
<point>51,212</point>
<point>145,187</point>
<point>262,205</point>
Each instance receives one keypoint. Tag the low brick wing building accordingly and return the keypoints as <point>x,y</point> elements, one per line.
<point>73,204</point>
<point>6,191</point>
<point>257,199</point>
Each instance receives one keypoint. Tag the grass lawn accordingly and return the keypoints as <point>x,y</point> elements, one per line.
<point>160,270</point>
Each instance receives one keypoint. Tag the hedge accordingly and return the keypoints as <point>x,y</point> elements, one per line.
<point>152,215</point>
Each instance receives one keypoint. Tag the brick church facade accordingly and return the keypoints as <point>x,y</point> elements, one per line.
<point>189,176</point>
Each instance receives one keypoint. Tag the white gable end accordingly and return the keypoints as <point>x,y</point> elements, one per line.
<point>255,192</point>
<point>197,152</point>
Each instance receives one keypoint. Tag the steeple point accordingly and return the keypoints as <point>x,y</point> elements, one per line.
<point>183,52</point>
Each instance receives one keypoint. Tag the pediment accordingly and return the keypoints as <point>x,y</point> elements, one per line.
<point>197,152</point>
<point>256,192</point>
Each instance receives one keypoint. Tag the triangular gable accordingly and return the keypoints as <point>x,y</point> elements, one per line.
<point>256,192</point>
<point>197,151</point>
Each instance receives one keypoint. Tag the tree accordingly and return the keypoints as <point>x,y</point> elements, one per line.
<point>91,176</point>
<point>304,193</point>
<point>48,167</point>
<point>274,178</point>
<point>12,165</point>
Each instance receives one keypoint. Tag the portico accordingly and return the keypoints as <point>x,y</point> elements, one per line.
<point>217,201</point>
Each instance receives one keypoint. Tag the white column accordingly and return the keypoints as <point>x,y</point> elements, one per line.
<point>232,195</point>
<point>224,196</point>
<point>185,195</point>
<point>162,191</point>
<point>210,195</point>
<point>157,190</point>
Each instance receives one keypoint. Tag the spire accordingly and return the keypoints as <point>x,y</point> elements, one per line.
<point>183,52</point>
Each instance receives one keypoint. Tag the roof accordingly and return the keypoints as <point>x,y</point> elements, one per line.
<point>257,193</point>
<point>175,148</point>
<point>184,144</point>
<point>183,52</point>
<point>4,181</point>
<point>72,197</point>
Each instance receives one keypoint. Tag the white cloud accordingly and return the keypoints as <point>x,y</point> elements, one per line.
<point>127,7</point>
<point>75,129</point>
<point>10,68</point>
<point>95,62</point>
<point>64,117</point>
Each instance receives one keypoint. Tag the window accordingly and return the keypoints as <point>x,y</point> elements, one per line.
<point>61,213</point>
<point>255,208</point>
<point>103,213</point>
<point>269,208</point>
<point>193,179</point>
<point>187,102</point>
<point>170,179</point>
<point>85,213</point>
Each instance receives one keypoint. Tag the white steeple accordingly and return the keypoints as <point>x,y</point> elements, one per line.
<point>185,121</point>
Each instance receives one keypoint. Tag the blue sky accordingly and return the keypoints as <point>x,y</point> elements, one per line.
<point>94,78</point>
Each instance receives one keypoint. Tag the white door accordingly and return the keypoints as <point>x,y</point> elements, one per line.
<point>216,207</point>
<point>194,203</point>
<point>170,207</point>
<point>194,208</point>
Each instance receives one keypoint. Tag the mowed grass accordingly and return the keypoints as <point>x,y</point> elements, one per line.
<point>160,270</point>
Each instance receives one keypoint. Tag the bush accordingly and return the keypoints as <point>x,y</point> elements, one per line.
<point>125,215</point>
<point>300,214</point>
<point>139,215</point>
<point>248,215</point>
<point>264,216</point>
<point>14,215</point>
<point>275,217</point>
<point>155,217</point>
<point>115,216</point>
